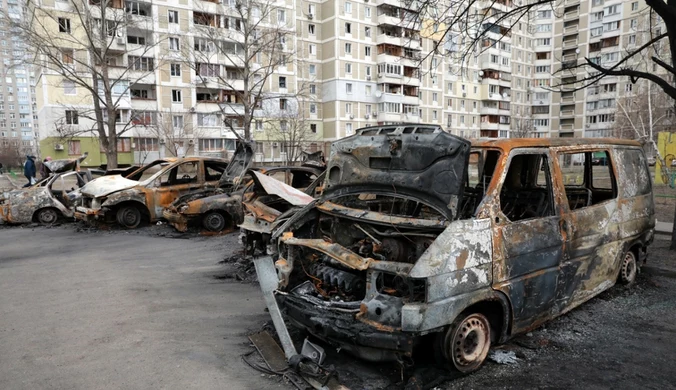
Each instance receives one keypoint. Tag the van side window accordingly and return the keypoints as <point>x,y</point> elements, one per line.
<point>635,170</point>
<point>524,193</point>
<point>480,170</point>
<point>588,178</point>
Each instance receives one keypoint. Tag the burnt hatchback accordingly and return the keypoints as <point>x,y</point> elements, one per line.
<point>422,238</point>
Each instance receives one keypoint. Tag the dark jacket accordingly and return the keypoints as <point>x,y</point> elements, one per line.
<point>29,167</point>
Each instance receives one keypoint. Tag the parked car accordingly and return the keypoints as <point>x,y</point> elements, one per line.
<point>222,209</point>
<point>144,194</point>
<point>49,199</point>
<point>421,238</point>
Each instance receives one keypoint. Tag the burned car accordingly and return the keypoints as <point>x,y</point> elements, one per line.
<point>423,239</point>
<point>49,199</point>
<point>143,194</point>
<point>222,209</point>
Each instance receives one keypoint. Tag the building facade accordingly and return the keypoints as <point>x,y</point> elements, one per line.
<point>18,122</point>
<point>356,64</point>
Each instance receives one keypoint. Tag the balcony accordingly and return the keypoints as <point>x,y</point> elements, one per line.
<point>388,39</point>
<point>389,117</point>
<point>571,29</point>
<point>571,15</point>
<point>570,44</point>
<point>567,113</point>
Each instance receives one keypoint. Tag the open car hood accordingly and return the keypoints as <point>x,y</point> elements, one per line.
<point>421,162</point>
<point>64,165</point>
<point>275,187</point>
<point>239,164</point>
<point>105,185</point>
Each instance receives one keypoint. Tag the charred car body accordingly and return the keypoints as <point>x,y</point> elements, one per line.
<point>221,209</point>
<point>51,198</point>
<point>421,237</point>
<point>145,193</point>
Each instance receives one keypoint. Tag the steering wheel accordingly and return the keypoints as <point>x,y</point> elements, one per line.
<point>186,177</point>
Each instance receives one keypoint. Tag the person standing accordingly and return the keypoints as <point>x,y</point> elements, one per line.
<point>29,170</point>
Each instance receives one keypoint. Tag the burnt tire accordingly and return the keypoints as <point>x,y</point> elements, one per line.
<point>466,342</point>
<point>628,268</point>
<point>129,216</point>
<point>214,221</point>
<point>47,216</point>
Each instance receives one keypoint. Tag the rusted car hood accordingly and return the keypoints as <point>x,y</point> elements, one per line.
<point>106,185</point>
<point>429,166</point>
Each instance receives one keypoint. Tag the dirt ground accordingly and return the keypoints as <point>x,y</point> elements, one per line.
<point>84,308</point>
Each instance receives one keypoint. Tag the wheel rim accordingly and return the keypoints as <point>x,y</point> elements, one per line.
<point>47,216</point>
<point>214,222</point>
<point>470,343</point>
<point>130,217</point>
<point>629,268</point>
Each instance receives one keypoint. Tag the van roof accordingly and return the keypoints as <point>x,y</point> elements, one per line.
<point>511,143</point>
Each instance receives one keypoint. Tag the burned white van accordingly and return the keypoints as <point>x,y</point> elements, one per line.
<point>424,237</point>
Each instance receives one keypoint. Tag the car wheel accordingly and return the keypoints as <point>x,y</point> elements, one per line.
<point>129,216</point>
<point>467,342</point>
<point>629,268</point>
<point>214,221</point>
<point>47,216</point>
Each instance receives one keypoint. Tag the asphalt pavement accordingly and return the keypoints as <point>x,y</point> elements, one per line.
<point>119,310</point>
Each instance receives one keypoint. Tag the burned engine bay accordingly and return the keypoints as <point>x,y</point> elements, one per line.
<point>346,258</point>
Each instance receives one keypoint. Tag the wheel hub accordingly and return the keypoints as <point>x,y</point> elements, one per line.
<point>629,267</point>
<point>470,342</point>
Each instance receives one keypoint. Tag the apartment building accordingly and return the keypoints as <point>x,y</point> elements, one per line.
<point>357,63</point>
<point>18,132</point>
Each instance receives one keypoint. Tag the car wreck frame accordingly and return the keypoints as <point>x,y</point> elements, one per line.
<point>526,242</point>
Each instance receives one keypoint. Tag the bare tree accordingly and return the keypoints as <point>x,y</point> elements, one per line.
<point>85,47</point>
<point>11,154</point>
<point>291,130</point>
<point>255,41</point>
<point>522,126</point>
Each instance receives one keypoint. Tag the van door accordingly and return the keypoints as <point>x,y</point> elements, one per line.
<point>590,188</point>
<point>527,239</point>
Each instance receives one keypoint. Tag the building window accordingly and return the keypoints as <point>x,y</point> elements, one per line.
<point>284,126</point>
<point>313,128</point>
<point>311,29</point>
<point>283,104</point>
<point>259,125</point>
<point>348,48</point>
<point>313,108</point>
<point>348,108</point>
<point>71,117</point>
<point>141,63</point>
<point>177,121</point>
<point>176,96</point>
<point>173,17</point>
<point>174,44</point>
<point>313,69</point>
<point>348,68</point>
<point>367,12</point>
<point>634,6</point>
<point>67,56</point>
<point>147,144</point>
<point>124,145</point>
<point>348,88</point>
<point>348,129</point>
<point>348,28</point>
<point>367,32</point>
<point>175,70</point>
<point>64,25</point>
<point>281,16</point>
<point>313,89</point>
<point>69,87</point>
<point>282,82</point>
<point>209,120</point>
<point>367,51</point>
<point>348,7</point>
<point>312,49</point>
